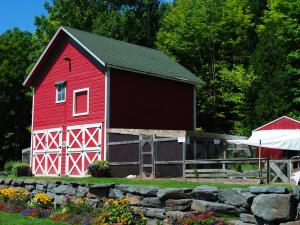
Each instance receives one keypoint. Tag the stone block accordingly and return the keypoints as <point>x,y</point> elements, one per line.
<point>152,202</point>
<point>274,207</point>
<point>40,187</point>
<point>205,192</point>
<point>64,189</point>
<point>134,199</point>
<point>82,191</point>
<point>178,204</point>
<point>247,218</point>
<point>219,209</point>
<point>150,212</point>
<point>236,196</point>
<point>116,194</point>
<point>7,181</point>
<point>29,187</point>
<point>268,190</point>
<point>174,193</point>
<point>29,181</point>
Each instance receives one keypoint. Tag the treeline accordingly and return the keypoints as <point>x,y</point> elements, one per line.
<point>247,52</point>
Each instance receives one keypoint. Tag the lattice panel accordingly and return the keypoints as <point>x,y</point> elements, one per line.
<point>47,146</point>
<point>83,147</point>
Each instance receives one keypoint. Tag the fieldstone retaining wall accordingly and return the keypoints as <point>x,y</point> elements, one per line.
<point>253,205</point>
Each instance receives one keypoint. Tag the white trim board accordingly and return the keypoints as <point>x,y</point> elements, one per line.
<point>74,102</point>
<point>107,110</point>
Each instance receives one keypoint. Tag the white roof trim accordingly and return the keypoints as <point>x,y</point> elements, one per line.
<point>257,129</point>
<point>83,46</point>
<point>152,74</point>
<point>40,58</point>
<point>50,43</point>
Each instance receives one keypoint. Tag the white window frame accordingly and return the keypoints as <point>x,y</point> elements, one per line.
<point>88,101</point>
<point>56,91</point>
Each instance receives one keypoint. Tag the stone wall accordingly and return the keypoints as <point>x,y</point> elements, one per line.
<point>253,205</point>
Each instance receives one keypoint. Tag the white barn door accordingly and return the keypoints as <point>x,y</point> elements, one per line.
<point>46,157</point>
<point>83,146</point>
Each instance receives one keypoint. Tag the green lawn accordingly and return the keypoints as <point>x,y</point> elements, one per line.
<point>15,219</point>
<point>161,183</point>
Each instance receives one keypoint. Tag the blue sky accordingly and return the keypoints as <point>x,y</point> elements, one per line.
<point>20,13</point>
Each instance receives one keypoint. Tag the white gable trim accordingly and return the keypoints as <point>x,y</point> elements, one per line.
<point>48,46</point>
<point>83,46</point>
<point>257,129</point>
<point>39,60</point>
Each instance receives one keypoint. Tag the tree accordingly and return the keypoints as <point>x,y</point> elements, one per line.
<point>276,63</point>
<point>210,37</point>
<point>133,21</point>
<point>15,100</point>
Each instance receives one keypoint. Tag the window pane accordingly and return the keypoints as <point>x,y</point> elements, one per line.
<point>60,92</point>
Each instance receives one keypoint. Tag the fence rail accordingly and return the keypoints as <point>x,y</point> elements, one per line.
<point>151,153</point>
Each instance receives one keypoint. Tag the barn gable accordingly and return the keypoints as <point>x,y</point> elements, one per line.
<point>110,53</point>
<point>283,122</point>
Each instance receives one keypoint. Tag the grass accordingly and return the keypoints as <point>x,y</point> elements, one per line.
<point>15,219</point>
<point>161,183</point>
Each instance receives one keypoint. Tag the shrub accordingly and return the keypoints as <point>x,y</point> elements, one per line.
<point>8,166</point>
<point>17,168</point>
<point>99,168</point>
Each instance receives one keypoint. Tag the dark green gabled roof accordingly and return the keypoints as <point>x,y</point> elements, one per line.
<point>123,55</point>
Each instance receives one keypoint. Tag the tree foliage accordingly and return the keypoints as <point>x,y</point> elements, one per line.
<point>15,100</point>
<point>276,61</point>
<point>211,38</point>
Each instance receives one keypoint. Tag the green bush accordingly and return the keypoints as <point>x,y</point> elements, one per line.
<point>8,166</point>
<point>17,168</point>
<point>99,168</point>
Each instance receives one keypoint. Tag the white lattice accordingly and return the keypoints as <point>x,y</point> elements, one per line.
<point>47,143</point>
<point>83,147</point>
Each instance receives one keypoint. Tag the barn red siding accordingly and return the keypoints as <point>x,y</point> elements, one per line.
<point>83,74</point>
<point>282,123</point>
<point>146,102</point>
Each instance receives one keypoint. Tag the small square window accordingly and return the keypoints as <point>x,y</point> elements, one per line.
<point>60,92</point>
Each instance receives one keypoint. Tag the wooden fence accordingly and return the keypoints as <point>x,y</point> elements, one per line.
<point>155,154</point>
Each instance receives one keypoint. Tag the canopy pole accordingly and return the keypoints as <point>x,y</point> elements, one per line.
<point>259,160</point>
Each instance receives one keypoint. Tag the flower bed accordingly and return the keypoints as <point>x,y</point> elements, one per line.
<point>74,210</point>
<point>78,211</point>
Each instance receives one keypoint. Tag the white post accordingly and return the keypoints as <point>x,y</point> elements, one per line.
<point>259,155</point>
<point>259,161</point>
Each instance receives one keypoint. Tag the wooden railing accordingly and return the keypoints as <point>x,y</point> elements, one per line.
<point>263,173</point>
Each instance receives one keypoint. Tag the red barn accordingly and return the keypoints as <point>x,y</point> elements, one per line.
<point>282,123</point>
<point>84,83</point>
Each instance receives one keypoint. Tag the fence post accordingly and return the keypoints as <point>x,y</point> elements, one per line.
<point>140,156</point>
<point>268,171</point>
<point>183,157</point>
<point>154,156</point>
<point>289,170</point>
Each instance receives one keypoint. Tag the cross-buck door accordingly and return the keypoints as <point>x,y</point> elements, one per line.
<point>46,157</point>
<point>83,147</point>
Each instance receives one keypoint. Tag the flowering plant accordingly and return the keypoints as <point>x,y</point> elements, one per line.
<point>41,200</point>
<point>119,211</point>
<point>99,168</point>
<point>16,196</point>
<point>195,219</point>
<point>75,211</point>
